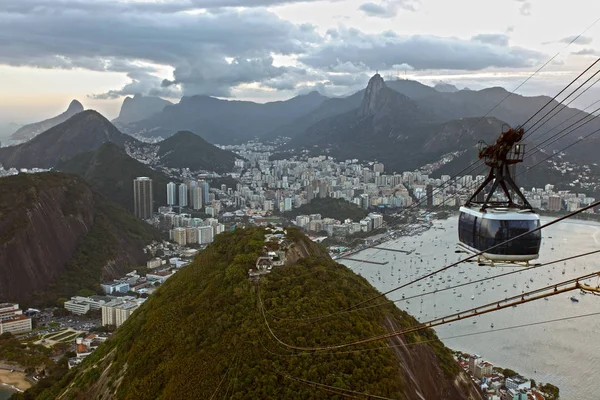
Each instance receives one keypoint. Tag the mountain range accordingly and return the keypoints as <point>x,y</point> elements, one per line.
<point>394,134</point>
<point>29,131</point>
<point>81,135</point>
<point>58,235</point>
<point>203,335</point>
<point>394,129</point>
<point>223,121</point>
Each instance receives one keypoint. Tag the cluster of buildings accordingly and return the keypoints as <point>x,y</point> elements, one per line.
<point>123,296</point>
<point>276,245</point>
<point>335,228</point>
<point>191,194</point>
<point>184,229</point>
<point>496,386</point>
<point>14,171</point>
<point>84,346</point>
<point>115,310</point>
<point>13,320</point>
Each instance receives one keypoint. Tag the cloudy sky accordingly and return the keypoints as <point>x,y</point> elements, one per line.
<point>98,51</point>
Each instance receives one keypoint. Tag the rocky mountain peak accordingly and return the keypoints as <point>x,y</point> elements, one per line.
<point>75,107</point>
<point>445,87</point>
<point>372,97</point>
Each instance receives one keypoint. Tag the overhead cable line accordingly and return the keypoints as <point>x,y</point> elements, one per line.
<point>530,132</point>
<point>493,330</point>
<point>416,296</point>
<point>537,294</point>
<point>596,203</point>
<point>352,394</point>
<point>423,277</point>
<point>473,164</point>
<point>558,94</point>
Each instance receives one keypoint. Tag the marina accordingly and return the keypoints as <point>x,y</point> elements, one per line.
<point>559,352</point>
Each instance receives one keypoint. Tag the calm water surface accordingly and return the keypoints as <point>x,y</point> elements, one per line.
<point>563,353</point>
<point>5,394</point>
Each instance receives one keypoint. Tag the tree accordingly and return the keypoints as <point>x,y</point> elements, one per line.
<point>508,372</point>
<point>86,293</point>
<point>60,302</point>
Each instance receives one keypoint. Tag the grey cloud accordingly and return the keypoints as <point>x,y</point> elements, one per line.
<point>577,39</point>
<point>420,52</point>
<point>387,8</point>
<point>197,46</point>
<point>498,39</point>
<point>375,10</point>
<point>141,82</point>
<point>349,79</point>
<point>525,8</point>
<point>587,52</point>
<point>118,6</point>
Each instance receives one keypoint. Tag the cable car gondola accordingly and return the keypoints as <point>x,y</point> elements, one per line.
<point>485,221</point>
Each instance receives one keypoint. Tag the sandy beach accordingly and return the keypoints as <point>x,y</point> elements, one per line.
<point>15,379</point>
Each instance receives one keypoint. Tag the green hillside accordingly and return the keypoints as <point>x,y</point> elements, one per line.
<point>188,150</point>
<point>202,335</point>
<point>58,235</point>
<point>111,171</point>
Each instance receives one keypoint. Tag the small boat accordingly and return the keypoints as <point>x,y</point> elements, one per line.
<point>472,297</point>
<point>492,325</point>
<point>574,299</point>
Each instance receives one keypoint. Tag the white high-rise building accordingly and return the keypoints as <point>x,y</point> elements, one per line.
<point>206,235</point>
<point>183,195</point>
<point>171,194</point>
<point>197,198</point>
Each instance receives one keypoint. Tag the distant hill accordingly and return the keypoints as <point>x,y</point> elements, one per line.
<point>445,87</point>
<point>328,207</point>
<point>224,121</point>
<point>202,334</point>
<point>139,107</point>
<point>58,235</point>
<point>111,171</point>
<point>187,150</point>
<point>31,130</point>
<point>328,108</point>
<point>81,133</point>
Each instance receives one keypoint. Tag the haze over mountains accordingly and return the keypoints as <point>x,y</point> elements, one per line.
<point>29,131</point>
<point>223,121</point>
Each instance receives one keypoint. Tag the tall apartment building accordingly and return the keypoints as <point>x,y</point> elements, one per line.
<point>205,191</point>
<point>183,195</point>
<point>12,319</point>
<point>178,235</point>
<point>197,198</point>
<point>554,203</point>
<point>142,197</point>
<point>171,193</point>
<point>205,234</point>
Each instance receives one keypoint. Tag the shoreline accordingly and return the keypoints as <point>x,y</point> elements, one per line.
<point>14,381</point>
